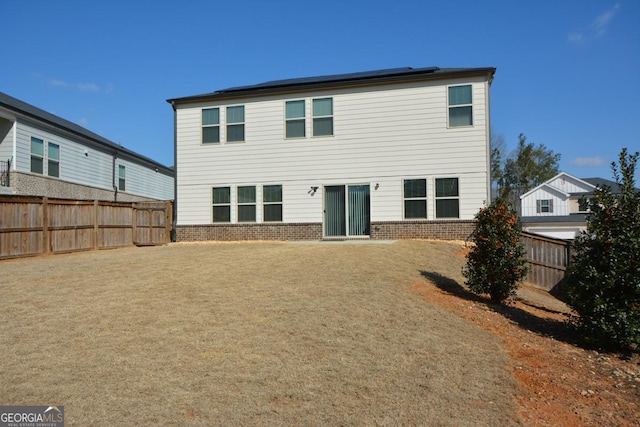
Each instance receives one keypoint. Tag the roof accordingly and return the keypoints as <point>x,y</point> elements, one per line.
<point>548,219</point>
<point>349,79</point>
<point>33,112</point>
<point>601,182</point>
<point>545,185</point>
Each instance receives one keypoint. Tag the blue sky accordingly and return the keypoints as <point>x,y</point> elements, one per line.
<point>567,70</point>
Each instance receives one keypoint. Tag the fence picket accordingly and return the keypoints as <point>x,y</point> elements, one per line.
<point>548,259</point>
<point>35,225</point>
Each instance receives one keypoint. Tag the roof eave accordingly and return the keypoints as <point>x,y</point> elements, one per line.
<point>298,87</point>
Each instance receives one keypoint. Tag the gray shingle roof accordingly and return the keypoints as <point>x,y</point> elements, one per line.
<point>601,182</point>
<point>391,74</point>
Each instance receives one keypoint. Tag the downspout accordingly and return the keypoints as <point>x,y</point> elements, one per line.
<point>113,176</point>
<point>175,173</point>
<point>488,136</point>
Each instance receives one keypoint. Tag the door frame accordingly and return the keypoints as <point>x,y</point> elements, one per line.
<point>346,212</point>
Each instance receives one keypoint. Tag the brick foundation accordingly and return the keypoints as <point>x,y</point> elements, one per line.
<point>437,230</point>
<point>26,184</point>
<point>231,232</point>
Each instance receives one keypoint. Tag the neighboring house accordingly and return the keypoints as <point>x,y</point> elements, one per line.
<point>554,208</point>
<point>399,153</point>
<point>44,155</point>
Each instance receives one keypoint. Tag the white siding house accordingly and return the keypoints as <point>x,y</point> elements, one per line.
<point>44,155</point>
<point>382,154</point>
<point>553,208</point>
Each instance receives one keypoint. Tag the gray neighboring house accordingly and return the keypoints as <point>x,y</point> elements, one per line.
<point>42,154</point>
<point>553,208</point>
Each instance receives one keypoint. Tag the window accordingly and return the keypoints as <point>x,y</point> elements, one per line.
<point>583,204</point>
<point>323,117</point>
<point>460,110</point>
<point>221,204</point>
<point>544,206</point>
<point>295,119</point>
<point>37,155</point>
<point>247,204</point>
<point>122,178</point>
<point>415,198</point>
<point>235,124</point>
<point>447,201</point>
<point>210,125</point>
<point>53,166</point>
<point>272,203</point>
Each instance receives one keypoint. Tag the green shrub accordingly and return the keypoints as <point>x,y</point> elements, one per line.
<point>496,263</point>
<point>603,280</point>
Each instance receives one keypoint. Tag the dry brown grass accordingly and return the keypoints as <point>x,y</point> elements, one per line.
<point>248,334</point>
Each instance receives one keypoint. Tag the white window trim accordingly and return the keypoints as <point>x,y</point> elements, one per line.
<point>225,139</point>
<point>540,208</point>
<point>49,159</point>
<point>42,157</point>
<point>219,126</point>
<point>425,198</point>
<point>332,116</point>
<point>281,203</point>
<point>223,124</point>
<point>436,198</point>
<point>284,115</point>
<point>230,204</point>
<point>254,204</point>
<point>449,107</point>
<point>309,117</point>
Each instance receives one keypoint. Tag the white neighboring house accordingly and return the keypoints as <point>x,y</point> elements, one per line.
<point>42,154</point>
<point>553,208</point>
<point>398,153</point>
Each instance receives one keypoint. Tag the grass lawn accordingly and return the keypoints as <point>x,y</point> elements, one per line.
<point>248,334</point>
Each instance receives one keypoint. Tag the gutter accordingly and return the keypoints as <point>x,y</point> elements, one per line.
<point>175,172</point>
<point>113,176</point>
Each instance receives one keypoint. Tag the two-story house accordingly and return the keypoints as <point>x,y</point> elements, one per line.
<point>397,153</point>
<point>556,207</point>
<point>42,154</point>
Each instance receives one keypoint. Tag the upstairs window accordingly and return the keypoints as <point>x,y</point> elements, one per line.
<point>37,155</point>
<point>295,119</point>
<point>235,124</point>
<point>122,178</point>
<point>544,206</point>
<point>460,106</point>
<point>415,198</point>
<point>583,204</point>
<point>447,198</point>
<point>53,165</point>
<point>211,126</point>
<point>247,204</point>
<point>272,203</point>
<point>221,199</point>
<point>323,117</point>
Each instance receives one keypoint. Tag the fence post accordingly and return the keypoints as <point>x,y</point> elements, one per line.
<point>96,225</point>
<point>46,239</point>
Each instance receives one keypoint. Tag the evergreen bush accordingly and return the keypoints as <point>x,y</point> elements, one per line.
<point>603,279</point>
<point>496,264</point>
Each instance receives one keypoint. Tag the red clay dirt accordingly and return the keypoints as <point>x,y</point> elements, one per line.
<point>560,383</point>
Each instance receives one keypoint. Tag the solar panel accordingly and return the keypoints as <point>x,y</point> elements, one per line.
<point>333,78</point>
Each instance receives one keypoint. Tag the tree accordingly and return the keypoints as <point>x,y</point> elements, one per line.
<point>603,280</point>
<point>498,149</point>
<point>496,264</point>
<point>526,167</point>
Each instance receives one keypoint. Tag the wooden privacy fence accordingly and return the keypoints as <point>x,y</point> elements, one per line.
<point>548,259</point>
<point>39,225</point>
